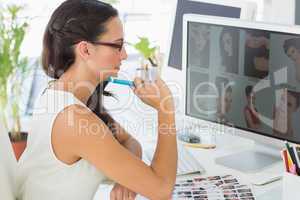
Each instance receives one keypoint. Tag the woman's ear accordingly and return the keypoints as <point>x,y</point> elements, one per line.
<point>83,49</point>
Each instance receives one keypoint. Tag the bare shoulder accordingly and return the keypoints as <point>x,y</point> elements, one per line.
<point>77,119</point>
<point>71,127</point>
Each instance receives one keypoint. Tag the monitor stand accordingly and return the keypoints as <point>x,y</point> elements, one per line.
<point>251,161</point>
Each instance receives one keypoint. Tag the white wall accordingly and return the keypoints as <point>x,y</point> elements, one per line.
<point>279,11</point>
<point>156,26</point>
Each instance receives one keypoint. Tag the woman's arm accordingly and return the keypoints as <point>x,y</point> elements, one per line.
<point>95,143</point>
<point>130,143</point>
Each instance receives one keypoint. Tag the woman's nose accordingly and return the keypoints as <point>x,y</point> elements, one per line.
<point>123,54</point>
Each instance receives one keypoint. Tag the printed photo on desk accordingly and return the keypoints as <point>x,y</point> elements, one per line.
<point>225,187</point>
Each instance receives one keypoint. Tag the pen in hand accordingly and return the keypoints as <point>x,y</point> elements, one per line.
<point>121,81</point>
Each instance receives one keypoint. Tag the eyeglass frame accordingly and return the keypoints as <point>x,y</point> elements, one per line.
<point>110,44</point>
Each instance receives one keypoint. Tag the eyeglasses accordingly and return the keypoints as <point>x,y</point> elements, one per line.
<point>113,45</point>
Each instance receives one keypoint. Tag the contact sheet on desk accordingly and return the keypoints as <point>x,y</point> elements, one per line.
<point>225,187</point>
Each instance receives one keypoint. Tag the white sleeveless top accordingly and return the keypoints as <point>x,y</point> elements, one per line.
<point>41,175</point>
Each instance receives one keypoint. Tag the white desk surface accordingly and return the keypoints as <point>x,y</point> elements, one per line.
<point>225,146</point>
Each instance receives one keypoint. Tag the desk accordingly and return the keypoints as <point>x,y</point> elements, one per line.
<point>270,191</point>
<point>225,146</point>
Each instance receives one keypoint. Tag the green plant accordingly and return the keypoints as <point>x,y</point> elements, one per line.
<point>13,68</point>
<point>149,53</point>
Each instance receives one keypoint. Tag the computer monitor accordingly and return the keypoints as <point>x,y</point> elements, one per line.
<point>223,8</point>
<point>245,75</point>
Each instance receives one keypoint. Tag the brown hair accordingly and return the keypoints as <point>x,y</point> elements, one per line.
<point>72,22</point>
<point>248,90</point>
<point>292,42</point>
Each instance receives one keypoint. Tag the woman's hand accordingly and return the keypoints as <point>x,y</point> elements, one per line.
<point>156,94</point>
<point>121,193</point>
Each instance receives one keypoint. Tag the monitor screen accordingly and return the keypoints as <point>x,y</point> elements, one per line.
<point>245,78</point>
<point>194,7</point>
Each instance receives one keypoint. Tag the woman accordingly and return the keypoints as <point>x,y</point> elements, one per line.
<point>257,54</point>
<point>229,49</point>
<point>289,103</point>
<point>199,46</point>
<point>250,112</point>
<point>292,50</point>
<point>224,100</point>
<point>72,148</point>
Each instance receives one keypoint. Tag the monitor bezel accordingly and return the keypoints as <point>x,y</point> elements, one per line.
<point>239,23</point>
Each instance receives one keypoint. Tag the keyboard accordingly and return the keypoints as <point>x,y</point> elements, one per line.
<point>187,163</point>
